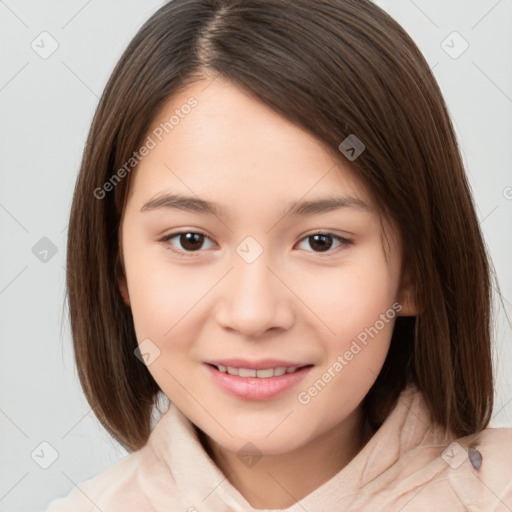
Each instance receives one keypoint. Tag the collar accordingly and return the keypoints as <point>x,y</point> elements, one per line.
<point>205,488</point>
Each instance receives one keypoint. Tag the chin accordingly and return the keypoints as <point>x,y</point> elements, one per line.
<point>250,438</point>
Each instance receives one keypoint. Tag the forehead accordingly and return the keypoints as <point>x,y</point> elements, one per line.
<point>216,140</point>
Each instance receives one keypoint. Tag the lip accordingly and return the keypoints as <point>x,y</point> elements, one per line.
<point>254,388</point>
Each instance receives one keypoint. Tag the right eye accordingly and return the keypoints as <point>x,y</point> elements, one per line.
<point>185,242</point>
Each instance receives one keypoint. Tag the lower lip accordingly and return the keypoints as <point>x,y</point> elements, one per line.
<point>253,388</point>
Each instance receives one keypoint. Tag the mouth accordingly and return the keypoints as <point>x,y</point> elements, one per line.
<point>266,373</point>
<point>256,381</point>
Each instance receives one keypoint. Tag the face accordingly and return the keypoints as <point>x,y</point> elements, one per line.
<point>255,272</point>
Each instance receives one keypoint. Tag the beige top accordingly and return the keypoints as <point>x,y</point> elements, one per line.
<point>407,466</point>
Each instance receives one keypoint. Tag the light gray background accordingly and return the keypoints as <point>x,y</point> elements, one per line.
<point>46,106</point>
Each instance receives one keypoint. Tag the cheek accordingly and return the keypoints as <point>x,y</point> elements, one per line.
<point>162,295</point>
<point>162,302</point>
<point>351,301</point>
<point>355,302</point>
<point>351,297</point>
<point>166,307</point>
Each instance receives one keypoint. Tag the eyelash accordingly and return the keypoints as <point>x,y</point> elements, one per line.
<point>167,238</point>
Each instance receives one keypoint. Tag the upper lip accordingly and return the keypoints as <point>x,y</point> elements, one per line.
<point>263,364</point>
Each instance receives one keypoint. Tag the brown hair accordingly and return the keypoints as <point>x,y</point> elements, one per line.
<point>334,67</point>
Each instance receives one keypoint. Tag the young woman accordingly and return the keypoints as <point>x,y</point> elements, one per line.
<point>273,231</point>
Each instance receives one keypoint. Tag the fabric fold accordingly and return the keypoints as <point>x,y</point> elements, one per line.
<point>409,465</point>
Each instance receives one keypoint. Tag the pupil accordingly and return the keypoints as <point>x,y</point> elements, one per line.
<point>322,242</point>
<point>189,241</point>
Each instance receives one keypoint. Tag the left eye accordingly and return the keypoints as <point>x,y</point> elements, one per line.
<point>323,242</point>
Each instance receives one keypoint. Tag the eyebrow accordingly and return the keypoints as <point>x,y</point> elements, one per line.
<point>298,208</point>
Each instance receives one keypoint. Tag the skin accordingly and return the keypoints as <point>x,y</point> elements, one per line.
<point>294,302</point>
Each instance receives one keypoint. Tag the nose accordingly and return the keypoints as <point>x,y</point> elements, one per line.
<point>254,300</point>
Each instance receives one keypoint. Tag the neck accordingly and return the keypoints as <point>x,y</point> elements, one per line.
<point>279,481</point>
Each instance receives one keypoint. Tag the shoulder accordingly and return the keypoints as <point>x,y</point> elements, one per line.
<point>478,469</point>
<point>142,480</point>
<point>150,478</point>
<point>128,483</point>
<point>434,469</point>
<point>92,491</point>
<point>495,442</point>
<point>489,452</point>
<point>139,481</point>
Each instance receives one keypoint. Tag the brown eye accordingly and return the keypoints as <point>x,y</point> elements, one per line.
<point>186,242</point>
<point>320,243</point>
<point>191,241</point>
<point>324,242</point>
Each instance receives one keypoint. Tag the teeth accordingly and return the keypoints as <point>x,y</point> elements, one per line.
<point>244,372</point>
<point>232,371</point>
<point>261,374</point>
<point>279,371</point>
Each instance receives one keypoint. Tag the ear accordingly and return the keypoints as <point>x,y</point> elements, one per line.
<point>407,297</point>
